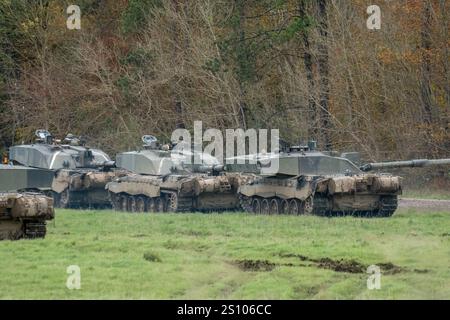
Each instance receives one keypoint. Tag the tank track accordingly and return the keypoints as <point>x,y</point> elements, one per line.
<point>388,206</point>
<point>34,229</point>
<point>319,205</point>
<point>175,203</point>
<point>169,201</point>
<point>245,203</point>
<point>275,205</point>
<point>64,200</point>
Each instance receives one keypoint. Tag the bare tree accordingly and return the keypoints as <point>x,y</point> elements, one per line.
<point>308,62</point>
<point>425,84</point>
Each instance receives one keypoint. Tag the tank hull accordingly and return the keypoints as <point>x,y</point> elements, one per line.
<point>363,195</point>
<point>24,215</point>
<point>175,193</point>
<point>82,188</point>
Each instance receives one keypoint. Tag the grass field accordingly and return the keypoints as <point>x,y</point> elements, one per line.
<point>231,256</point>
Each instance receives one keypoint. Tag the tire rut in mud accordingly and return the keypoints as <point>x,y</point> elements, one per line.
<point>337,265</point>
<point>346,265</point>
<point>255,265</point>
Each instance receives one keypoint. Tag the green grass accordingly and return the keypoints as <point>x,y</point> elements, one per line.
<point>193,256</point>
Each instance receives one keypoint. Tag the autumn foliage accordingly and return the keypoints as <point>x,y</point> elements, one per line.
<point>310,68</point>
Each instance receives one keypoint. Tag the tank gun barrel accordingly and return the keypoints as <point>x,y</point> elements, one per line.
<point>219,168</point>
<point>110,164</point>
<point>404,164</point>
<point>209,168</point>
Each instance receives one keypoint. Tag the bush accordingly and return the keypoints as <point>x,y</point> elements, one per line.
<point>152,257</point>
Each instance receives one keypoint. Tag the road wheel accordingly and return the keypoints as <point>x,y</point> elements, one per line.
<point>123,203</point>
<point>140,204</point>
<point>256,206</point>
<point>308,206</point>
<point>159,204</point>
<point>294,207</point>
<point>132,204</point>
<point>265,207</point>
<point>64,199</point>
<point>115,201</point>
<point>151,205</point>
<point>284,206</point>
<point>274,206</point>
<point>172,202</point>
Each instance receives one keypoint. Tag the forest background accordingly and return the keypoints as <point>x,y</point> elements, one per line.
<point>311,68</point>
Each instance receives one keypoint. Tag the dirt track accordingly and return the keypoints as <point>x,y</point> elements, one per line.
<point>424,203</point>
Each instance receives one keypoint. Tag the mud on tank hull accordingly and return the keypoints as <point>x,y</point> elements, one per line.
<point>175,193</point>
<point>82,188</point>
<point>24,215</point>
<point>362,195</point>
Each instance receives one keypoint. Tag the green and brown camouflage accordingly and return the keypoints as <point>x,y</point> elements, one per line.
<point>306,181</point>
<point>161,179</point>
<point>80,172</point>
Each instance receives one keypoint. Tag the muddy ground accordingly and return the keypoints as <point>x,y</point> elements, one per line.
<point>337,265</point>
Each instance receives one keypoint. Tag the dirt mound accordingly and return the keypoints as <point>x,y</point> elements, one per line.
<point>390,268</point>
<point>341,265</point>
<point>255,265</point>
<point>421,270</point>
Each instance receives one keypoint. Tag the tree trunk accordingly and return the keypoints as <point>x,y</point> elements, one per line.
<point>241,50</point>
<point>178,103</point>
<point>425,85</point>
<point>307,60</point>
<point>445,54</point>
<point>324,75</point>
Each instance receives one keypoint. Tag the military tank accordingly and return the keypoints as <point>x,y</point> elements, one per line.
<point>306,181</point>
<point>23,209</point>
<point>162,179</point>
<point>80,172</point>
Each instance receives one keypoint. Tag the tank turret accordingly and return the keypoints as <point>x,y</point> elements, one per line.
<point>155,159</point>
<point>46,153</point>
<point>296,161</point>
